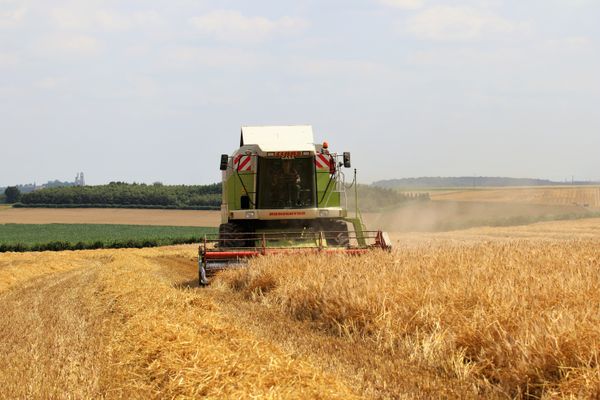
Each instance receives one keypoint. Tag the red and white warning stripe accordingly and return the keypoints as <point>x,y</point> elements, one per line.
<point>243,163</point>
<point>322,161</point>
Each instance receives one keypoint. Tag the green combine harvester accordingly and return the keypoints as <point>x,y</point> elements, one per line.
<point>282,193</point>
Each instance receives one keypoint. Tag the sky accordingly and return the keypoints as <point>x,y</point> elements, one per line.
<point>148,91</point>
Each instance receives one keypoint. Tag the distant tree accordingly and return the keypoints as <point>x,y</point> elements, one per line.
<point>13,194</point>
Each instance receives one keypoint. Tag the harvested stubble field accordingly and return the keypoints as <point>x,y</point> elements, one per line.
<point>482,313</point>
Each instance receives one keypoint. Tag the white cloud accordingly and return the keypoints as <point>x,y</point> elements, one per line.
<point>403,4</point>
<point>231,25</point>
<point>85,18</point>
<point>79,45</point>
<point>193,57</point>
<point>49,83</point>
<point>12,18</point>
<point>571,43</point>
<point>445,23</point>
<point>339,68</point>
<point>147,18</point>
<point>140,87</point>
<point>575,3</point>
<point>457,57</point>
<point>68,19</point>
<point>111,21</point>
<point>8,60</point>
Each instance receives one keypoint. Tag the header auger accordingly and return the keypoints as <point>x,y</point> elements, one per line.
<point>282,193</point>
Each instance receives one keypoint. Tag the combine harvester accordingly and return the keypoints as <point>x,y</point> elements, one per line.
<point>282,193</point>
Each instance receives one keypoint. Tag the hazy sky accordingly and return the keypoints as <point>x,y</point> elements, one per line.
<point>156,90</point>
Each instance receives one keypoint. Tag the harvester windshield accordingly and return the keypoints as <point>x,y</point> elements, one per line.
<point>286,183</point>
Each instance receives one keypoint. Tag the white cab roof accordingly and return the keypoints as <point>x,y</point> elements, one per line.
<point>279,138</point>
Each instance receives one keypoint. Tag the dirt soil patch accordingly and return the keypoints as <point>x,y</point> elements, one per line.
<point>110,216</point>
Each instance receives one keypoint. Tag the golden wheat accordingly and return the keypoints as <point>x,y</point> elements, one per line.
<point>118,328</point>
<point>20,268</point>
<point>518,318</point>
<point>485,312</point>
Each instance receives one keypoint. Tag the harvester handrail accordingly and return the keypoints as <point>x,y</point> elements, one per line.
<point>252,234</point>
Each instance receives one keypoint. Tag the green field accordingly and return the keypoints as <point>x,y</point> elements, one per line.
<point>29,237</point>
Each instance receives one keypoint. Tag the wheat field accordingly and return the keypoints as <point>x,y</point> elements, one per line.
<point>582,196</point>
<point>480,313</point>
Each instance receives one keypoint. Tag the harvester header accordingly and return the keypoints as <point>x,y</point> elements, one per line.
<point>282,192</point>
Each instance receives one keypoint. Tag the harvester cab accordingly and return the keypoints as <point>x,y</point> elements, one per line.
<point>282,193</point>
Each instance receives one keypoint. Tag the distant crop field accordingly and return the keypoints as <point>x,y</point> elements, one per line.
<point>31,237</point>
<point>448,215</point>
<point>580,196</point>
<point>557,231</point>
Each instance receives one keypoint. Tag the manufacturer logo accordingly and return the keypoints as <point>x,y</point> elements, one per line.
<point>287,154</point>
<point>286,213</point>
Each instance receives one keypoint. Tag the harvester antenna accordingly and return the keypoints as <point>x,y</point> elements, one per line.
<point>355,183</point>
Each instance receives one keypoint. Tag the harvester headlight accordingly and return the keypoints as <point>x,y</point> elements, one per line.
<point>250,214</point>
<point>323,213</point>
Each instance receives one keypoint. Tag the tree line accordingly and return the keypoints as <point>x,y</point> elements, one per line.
<point>157,195</point>
<point>121,194</point>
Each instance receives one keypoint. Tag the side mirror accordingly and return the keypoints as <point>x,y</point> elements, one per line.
<point>347,163</point>
<point>224,162</point>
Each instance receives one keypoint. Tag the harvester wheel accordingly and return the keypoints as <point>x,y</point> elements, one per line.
<point>336,233</point>
<point>231,235</point>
